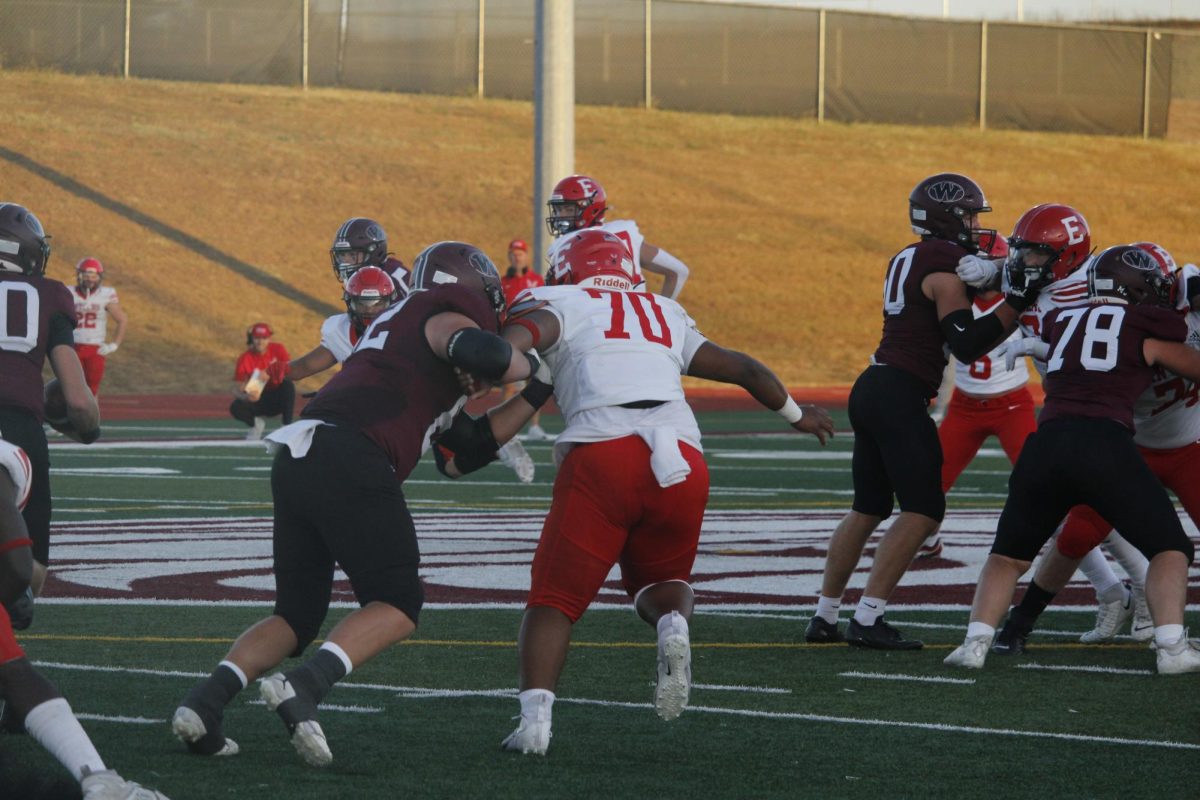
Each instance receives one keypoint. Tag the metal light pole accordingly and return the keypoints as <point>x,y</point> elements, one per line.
<point>553,109</point>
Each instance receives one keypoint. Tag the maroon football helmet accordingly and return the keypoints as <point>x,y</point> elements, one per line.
<point>1128,274</point>
<point>576,202</point>
<point>594,259</point>
<point>358,243</point>
<point>368,293</point>
<point>24,245</point>
<point>1059,231</point>
<point>1165,261</point>
<point>938,208</point>
<point>458,262</point>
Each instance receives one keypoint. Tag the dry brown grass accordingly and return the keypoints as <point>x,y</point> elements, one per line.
<point>787,225</point>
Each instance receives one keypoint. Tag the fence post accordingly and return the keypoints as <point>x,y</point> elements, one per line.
<point>304,45</point>
<point>1146,87</point>
<point>125,57</point>
<point>983,44</point>
<point>821,65</point>
<point>479,52</point>
<point>649,87</point>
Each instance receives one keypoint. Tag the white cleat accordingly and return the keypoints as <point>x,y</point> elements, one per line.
<point>187,725</point>
<point>1180,657</point>
<point>531,737</point>
<point>256,430</point>
<point>970,654</point>
<point>537,433</point>
<point>1110,618</point>
<point>514,455</point>
<point>108,785</point>
<point>1142,627</point>
<point>307,736</point>
<point>674,674</point>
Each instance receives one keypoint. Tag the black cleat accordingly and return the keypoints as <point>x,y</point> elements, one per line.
<point>821,632</point>
<point>20,611</point>
<point>879,636</point>
<point>1011,640</point>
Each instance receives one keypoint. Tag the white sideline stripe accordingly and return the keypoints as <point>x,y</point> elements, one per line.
<point>1085,668</point>
<point>334,707</point>
<point>885,676</point>
<point>125,720</point>
<point>166,673</point>
<point>718,687</point>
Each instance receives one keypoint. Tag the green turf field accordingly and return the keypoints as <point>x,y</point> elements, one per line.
<point>769,715</point>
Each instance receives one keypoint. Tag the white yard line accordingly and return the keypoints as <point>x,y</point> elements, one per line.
<point>1085,668</point>
<point>887,676</point>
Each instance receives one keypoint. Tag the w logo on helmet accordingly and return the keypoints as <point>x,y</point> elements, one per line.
<point>482,264</point>
<point>1139,259</point>
<point>946,192</point>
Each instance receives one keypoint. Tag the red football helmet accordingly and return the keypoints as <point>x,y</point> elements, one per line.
<point>368,292</point>
<point>1165,262</point>
<point>359,242</point>
<point>87,270</point>
<point>1128,274</point>
<point>576,202</point>
<point>593,259</point>
<point>1056,230</point>
<point>938,208</point>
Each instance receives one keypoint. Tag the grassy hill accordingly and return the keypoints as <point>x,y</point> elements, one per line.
<point>214,206</point>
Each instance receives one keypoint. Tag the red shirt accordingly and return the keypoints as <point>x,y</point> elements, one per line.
<point>529,279</point>
<point>251,360</point>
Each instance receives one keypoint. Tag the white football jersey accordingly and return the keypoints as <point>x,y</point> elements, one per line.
<point>624,229</point>
<point>91,316</point>
<point>987,375</point>
<point>16,463</point>
<point>619,347</point>
<point>1167,415</point>
<point>338,337</point>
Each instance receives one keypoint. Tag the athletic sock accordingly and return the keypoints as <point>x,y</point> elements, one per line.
<point>1025,614</point>
<point>1167,635</point>
<point>55,727</point>
<point>869,609</point>
<point>828,607</point>
<point>208,698</point>
<point>1098,571</point>
<point>315,677</point>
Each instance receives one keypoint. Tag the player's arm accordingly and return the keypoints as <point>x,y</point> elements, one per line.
<point>660,262</point>
<point>1176,357</point>
<point>82,420</point>
<point>456,338</point>
<point>969,338</point>
<point>119,317</point>
<point>316,360</point>
<point>715,363</point>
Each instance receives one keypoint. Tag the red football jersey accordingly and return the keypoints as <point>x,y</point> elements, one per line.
<point>27,306</point>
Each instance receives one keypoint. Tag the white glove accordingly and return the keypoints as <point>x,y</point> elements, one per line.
<point>543,371</point>
<point>1019,348</point>
<point>1190,272</point>
<point>977,272</point>
<point>109,347</point>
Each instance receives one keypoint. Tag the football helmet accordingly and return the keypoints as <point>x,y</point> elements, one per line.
<point>939,207</point>
<point>458,262</point>
<point>1128,274</point>
<point>368,292</point>
<point>1165,262</point>
<point>89,272</point>
<point>576,202</point>
<point>360,242</point>
<point>24,245</point>
<point>593,259</point>
<point>1056,230</point>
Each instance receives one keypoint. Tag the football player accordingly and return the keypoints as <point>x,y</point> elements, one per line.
<point>632,483</point>
<point>519,277</point>
<point>578,203</point>
<point>361,242</point>
<point>1100,360</point>
<point>94,304</point>
<point>41,330</point>
<point>897,455</point>
<point>28,699</point>
<point>336,482</point>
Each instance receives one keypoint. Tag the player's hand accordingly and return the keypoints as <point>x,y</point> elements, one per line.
<point>1019,348</point>
<point>542,373</point>
<point>277,371</point>
<point>1187,284</point>
<point>444,460</point>
<point>472,386</point>
<point>816,421</point>
<point>107,348</point>
<point>977,271</point>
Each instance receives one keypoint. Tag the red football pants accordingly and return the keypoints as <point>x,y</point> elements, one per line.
<point>971,420</point>
<point>93,365</point>
<point>608,509</point>
<point>1177,469</point>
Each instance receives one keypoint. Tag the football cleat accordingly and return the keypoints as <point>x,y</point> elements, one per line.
<point>1142,627</point>
<point>299,716</point>
<point>201,738</point>
<point>108,785</point>
<point>1180,657</point>
<point>880,636</point>
<point>531,737</point>
<point>970,654</point>
<point>537,433</point>
<point>1010,641</point>
<point>514,455</point>
<point>674,672</point>
<point>930,548</point>
<point>256,430</point>
<point>1110,618</point>
<point>820,631</point>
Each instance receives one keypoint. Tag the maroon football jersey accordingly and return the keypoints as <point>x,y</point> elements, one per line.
<point>392,387</point>
<point>912,336</point>
<point>1096,367</point>
<point>27,304</point>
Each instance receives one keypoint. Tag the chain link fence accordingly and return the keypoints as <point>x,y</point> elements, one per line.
<point>671,54</point>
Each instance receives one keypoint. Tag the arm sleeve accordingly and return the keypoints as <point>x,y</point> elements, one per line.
<point>969,338</point>
<point>60,330</point>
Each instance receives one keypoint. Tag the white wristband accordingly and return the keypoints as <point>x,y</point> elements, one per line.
<point>790,411</point>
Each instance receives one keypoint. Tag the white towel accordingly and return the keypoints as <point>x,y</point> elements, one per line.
<point>666,460</point>
<point>296,437</point>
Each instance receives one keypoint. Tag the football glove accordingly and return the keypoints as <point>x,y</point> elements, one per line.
<point>107,348</point>
<point>1019,348</point>
<point>977,271</point>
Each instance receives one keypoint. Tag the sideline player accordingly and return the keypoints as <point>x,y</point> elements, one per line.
<point>40,329</point>
<point>578,203</point>
<point>258,390</point>
<point>336,483</point>
<point>897,455</point>
<point>1101,358</point>
<point>94,304</point>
